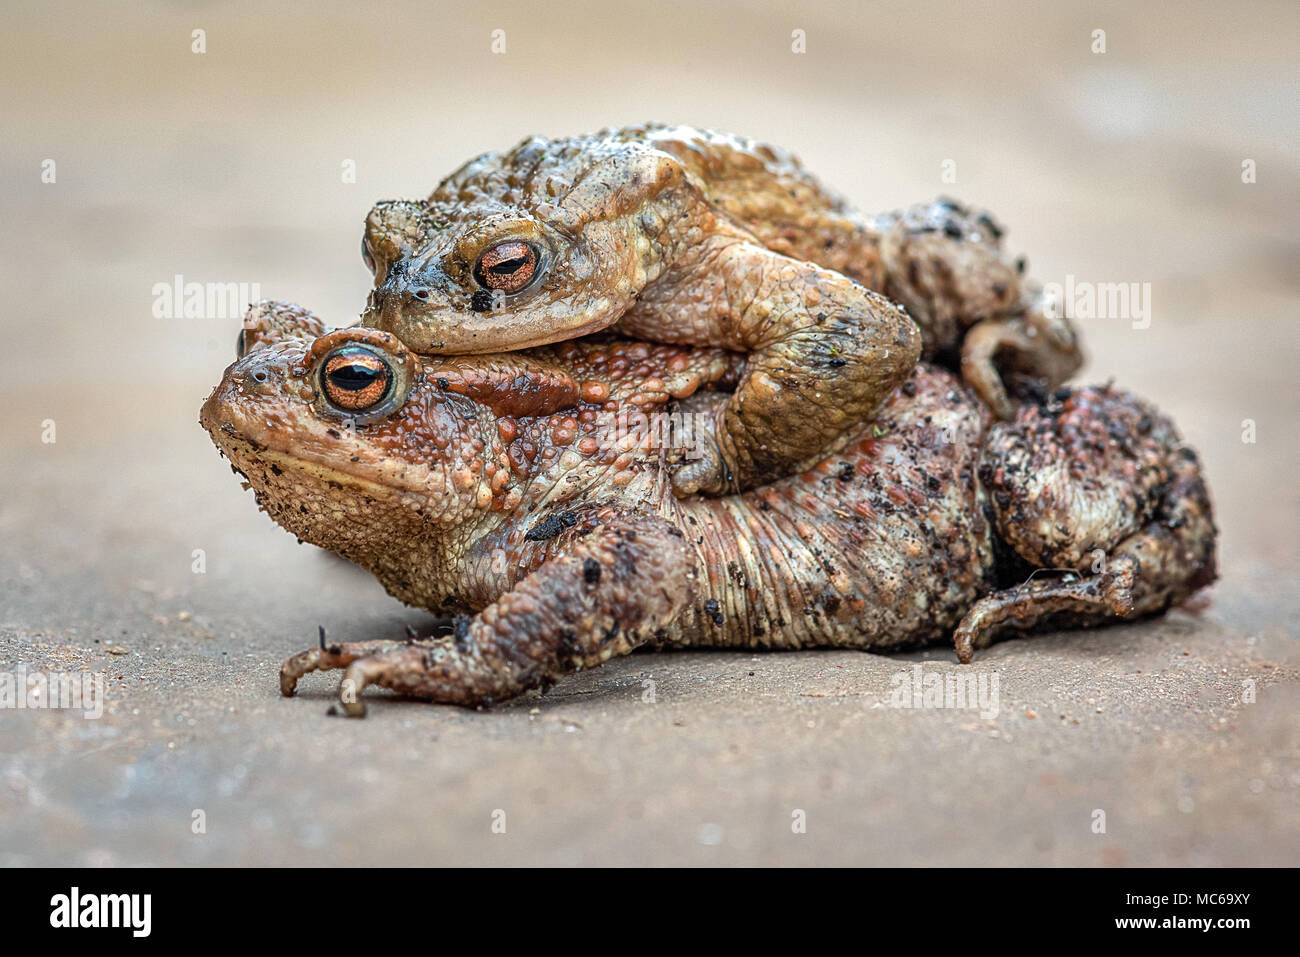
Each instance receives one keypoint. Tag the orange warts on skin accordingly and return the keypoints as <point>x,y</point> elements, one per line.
<point>564,431</point>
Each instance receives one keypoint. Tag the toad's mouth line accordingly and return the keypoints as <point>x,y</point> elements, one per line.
<point>234,443</point>
<point>450,347</point>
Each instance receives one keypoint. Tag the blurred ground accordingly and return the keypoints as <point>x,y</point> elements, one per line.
<point>225,167</point>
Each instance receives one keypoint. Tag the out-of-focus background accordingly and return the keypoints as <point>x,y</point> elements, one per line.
<point>129,160</point>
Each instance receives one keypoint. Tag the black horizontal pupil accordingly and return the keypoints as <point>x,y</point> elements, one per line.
<point>509,266</point>
<point>354,377</point>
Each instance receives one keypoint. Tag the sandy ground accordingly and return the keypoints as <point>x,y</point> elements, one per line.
<point>226,167</point>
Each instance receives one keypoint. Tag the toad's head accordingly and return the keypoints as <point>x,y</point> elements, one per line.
<point>546,242</point>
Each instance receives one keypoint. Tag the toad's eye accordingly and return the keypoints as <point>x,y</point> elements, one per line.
<point>508,266</point>
<point>355,379</point>
<point>367,256</point>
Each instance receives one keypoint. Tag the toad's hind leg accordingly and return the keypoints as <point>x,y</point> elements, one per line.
<point>606,586</point>
<point>1131,547</point>
<point>1030,348</point>
<point>1040,603</point>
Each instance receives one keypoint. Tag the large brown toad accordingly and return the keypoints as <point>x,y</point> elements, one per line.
<point>681,235</point>
<point>527,494</point>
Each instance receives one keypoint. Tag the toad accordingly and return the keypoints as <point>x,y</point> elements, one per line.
<point>681,235</point>
<point>525,494</point>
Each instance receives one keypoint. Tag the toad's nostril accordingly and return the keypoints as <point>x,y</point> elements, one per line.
<point>421,293</point>
<point>259,375</point>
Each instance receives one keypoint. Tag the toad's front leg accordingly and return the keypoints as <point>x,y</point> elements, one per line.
<point>606,587</point>
<point>825,352</point>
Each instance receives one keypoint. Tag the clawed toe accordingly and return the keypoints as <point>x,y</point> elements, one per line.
<point>295,666</point>
<point>328,658</point>
<point>708,474</point>
<point>350,688</point>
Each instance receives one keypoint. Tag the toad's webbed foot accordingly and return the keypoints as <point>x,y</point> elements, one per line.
<point>609,582</point>
<point>1099,485</point>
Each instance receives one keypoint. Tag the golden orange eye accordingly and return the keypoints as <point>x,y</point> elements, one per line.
<point>508,266</point>
<point>355,379</point>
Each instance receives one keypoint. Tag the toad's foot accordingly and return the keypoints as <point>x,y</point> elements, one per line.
<point>610,582</point>
<point>1071,600</point>
<point>329,657</point>
<point>944,263</point>
<point>1030,348</point>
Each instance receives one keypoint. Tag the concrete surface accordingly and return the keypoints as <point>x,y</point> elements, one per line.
<point>225,167</point>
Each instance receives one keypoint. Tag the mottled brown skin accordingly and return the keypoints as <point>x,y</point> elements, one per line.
<point>682,235</point>
<point>634,229</point>
<point>483,488</point>
<point>269,322</point>
<point>1096,484</point>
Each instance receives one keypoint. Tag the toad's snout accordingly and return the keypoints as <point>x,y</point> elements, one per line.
<point>253,386</point>
<point>426,311</point>
<point>261,373</point>
<point>406,287</point>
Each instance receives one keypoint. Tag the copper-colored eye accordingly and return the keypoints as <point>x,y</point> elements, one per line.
<point>355,379</point>
<point>506,266</point>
